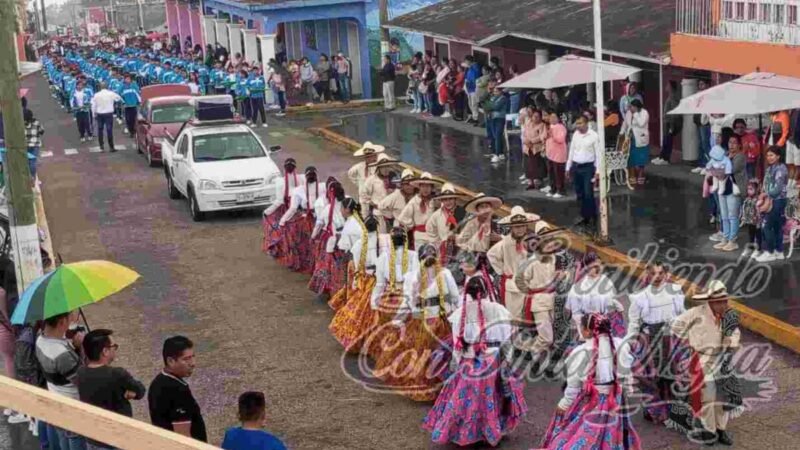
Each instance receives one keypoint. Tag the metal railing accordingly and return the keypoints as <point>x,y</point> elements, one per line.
<point>769,21</point>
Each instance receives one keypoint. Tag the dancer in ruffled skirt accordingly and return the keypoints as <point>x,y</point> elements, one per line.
<point>273,242</point>
<point>354,230</point>
<point>481,401</point>
<point>416,365</point>
<point>329,262</point>
<point>297,223</point>
<point>591,414</point>
<point>354,321</point>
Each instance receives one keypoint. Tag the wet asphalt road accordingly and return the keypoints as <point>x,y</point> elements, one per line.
<point>668,216</point>
<point>255,324</point>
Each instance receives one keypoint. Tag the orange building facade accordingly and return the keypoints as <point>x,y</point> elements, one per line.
<point>737,36</point>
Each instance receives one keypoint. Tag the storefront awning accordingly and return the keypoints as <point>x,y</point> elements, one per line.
<point>754,93</point>
<point>569,70</point>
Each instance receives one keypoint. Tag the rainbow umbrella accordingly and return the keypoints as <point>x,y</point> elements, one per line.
<point>69,288</point>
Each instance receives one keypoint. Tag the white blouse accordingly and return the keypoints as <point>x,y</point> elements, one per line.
<point>382,271</point>
<point>411,287</point>
<point>280,185</point>
<point>592,295</point>
<point>321,209</point>
<point>653,306</point>
<point>298,199</point>
<point>497,324</point>
<point>351,233</point>
<point>373,240</point>
<point>579,362</point>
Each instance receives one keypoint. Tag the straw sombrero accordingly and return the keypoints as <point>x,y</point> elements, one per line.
<point>384,162</point>
<point>518,216</point>
<point>715,292</point>
<point>448,191</point>
<point>425,178</point>
<point>543,229</point>
<point>472,206</point>
<point>368,149</point>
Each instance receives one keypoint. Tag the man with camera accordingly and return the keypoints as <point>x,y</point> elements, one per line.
<point>57,352</point>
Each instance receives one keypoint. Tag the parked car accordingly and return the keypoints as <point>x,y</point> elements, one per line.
<point>219,165</point>
<point>165,108</point>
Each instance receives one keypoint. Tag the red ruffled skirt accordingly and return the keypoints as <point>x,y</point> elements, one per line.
<point>329,272</point>
<point>274,244</point>
<point>297,238</point>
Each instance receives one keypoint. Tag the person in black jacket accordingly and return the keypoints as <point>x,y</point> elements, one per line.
<point>673,124</point>
<point>388,77</point>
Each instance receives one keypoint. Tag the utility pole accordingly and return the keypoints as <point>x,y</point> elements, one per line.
<point>383,18</point>
<point>22,212</point>
<point>44,18</point>
<point>141,14</point>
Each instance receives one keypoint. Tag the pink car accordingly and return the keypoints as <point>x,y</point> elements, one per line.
<point>164,109</point>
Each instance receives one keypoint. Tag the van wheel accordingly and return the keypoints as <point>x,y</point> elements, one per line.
<point>174,194</point>
<point>194,208</point>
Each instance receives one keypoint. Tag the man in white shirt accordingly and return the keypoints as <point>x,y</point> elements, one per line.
<point>103,110</point>
<point>584,154</point>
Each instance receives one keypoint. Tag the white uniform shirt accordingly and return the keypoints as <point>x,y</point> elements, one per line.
<point>103,102</point>
<point>584,148</point>
<point>653,306</point>
<point>592,295</point>
<point>579,362</point>
<point>373,251</point>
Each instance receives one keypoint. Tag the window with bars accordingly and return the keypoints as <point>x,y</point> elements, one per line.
<point>727,10</point>
<point>752,10</point>
<point>766,13</point>
<point>779,15</point>
<point>792,16</point>
<point>739,13</point>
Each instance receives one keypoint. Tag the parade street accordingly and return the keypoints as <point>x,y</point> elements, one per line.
<point>255,324</point>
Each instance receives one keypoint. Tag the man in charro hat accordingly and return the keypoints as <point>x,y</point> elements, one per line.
<point>506,256</point>
<point>441,225</point>
<point>418,210</point>
<point>712,331</point>
<point>369,154</point>
<point>477,234</point>
<point>376,187</point>
<point>537,278</point>
<point>392,205</point>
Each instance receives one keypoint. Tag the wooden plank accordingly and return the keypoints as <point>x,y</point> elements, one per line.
<point>87,420</point>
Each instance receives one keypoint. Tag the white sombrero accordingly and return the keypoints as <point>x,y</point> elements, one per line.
<point>715,292</point>
<point>425,178</point>
<point>472,206</point>
<point>369,149</point>
<point>518,216</point>
<point>545,229</point>
<point>448,191</point>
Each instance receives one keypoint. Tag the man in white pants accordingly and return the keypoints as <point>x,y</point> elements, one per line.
<point>471,86</point>
<point>388,77</point>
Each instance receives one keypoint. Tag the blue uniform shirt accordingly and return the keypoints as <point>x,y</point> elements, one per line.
<point>257,85</point>
<point>130,95</point>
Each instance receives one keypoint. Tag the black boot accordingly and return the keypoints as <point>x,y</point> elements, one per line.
<point>724,438</point>
<point>703,437</point>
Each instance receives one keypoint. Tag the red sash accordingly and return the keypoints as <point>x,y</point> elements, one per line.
<point>503,280</point>
<point>529,300</point>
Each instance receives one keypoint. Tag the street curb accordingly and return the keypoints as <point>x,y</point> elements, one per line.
<point>775,330</point>
<point>353,104</point>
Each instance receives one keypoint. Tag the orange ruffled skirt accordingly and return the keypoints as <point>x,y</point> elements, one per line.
<point>354,321</point>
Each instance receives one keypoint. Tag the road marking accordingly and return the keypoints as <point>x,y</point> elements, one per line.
<point>120,147</point>
<point>70,151</point>
<point>45,154</point>
<point>276,134</point>
<point>94,150</point>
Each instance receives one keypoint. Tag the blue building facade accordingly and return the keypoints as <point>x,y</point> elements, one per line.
<point>308,28</point>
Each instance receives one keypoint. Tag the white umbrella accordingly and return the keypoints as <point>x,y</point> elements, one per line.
<point>568,70</point>
<point>754,93</point>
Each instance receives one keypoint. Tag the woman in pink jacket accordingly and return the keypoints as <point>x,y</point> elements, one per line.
<point>556,151</point>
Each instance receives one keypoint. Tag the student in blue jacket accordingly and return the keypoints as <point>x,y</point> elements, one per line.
<point>131,98</point>
<point>257,85</point>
